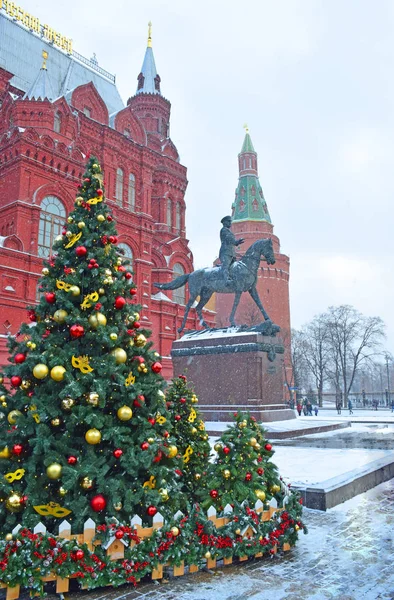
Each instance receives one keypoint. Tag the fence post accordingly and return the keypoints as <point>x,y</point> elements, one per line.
<point>89,531</point>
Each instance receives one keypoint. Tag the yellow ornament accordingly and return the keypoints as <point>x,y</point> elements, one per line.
<point>193,431</point>
<point>54,471</point>
<point>217,447</point>
<point>45,271</point>
<point>226,474</point>
<point>5,453</point>
<point>70,220</point>
<point>93,398</point>
<point>113,336</point>
<point>67,403</point>
<point>25,384</point>
<point>73,238</point>
<point>55,422</point>
<point>14,502</point>
<point>40,371</point>
<point>118,506</point>
<point>187,455</point>
<point>1,379</point>
<point>172,451</point>
<point>151,483</point>
<point>3,398</point>
<point>52,509</point>
<point>89,299</point>
<point>120,355</point>
<point>8,537</point>
<point>81,224</point>
<point>81,363</point>
<point>174,531</point>
<point>207,555</point>
<point>237,532</point>
<point>100,218</point>
<point>57,373</point>
<point>60,316</point>
<point>296,527</point>
<point>130,380</point>
<point>197,476</point>
<point>86,483</point>
<point>260,494</point>
<point>252,441</point>
<point>140,340</point>
<point>101,291</point>
<point>124,413</point>
<point>62,491</point>
<point>75,290</point>
<point>93,436</point>
<point>62,285</point>
<point>275,488</point>
<point>164,494</point>
<point>15,476</point>
<point>13,416</point>
<point>257,447</point>
<point>97,319</point>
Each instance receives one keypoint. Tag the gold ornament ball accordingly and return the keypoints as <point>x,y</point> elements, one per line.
<point>101,291</point>
<point>40,371</point>
<point>164,494</point>
<point>257,447</point>
<point>86,483</point>
<point>194,430</point>
<point>119,261</point>
<point>140,340</point>
<point>8,537</point>
<point>13,416</point>
<point>113,336</point>
<point>217,447</point>
<point>208,555</point>
<point>57,373</point>
<point>55,422</point>
<point>70,220</point>
<point>120,355</point>
<point>275,488</point>
<point>97,319</point>
<point>60,316</point>
<point>93,398</point>
<point>81,224</point>
<point>131,343</point>
<point>118,506</point>
<point>226,474</point>
<point>45,271</point>
<point>3,398</point>
<point>172,451</point>
<point>197,476</point>
<point>136,316</point>
<point>108,272</point>
<point>33,346</point>
<point>62,491</point>
<point>151,440</point>
<point>174,531</point>
<point>75,291</point>
<point>204,437</point>
<point>93,436</point>
<point>54,471</point>
<point>100,218</point>
<point>105,281</point>
<point>1,379</point>
<point>67,403</point>
<point>237,532</point>
<point>253,441</point>
<point>124,413</point>
<point>260,495</point>
<point>296,527</point>
<point>14,502</point>
<point>25,385</point>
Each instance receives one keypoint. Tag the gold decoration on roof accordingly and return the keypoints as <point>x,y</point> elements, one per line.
<point>44,55</point>
<point>150,34</point>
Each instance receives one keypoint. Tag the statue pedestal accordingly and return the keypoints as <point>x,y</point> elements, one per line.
<point>233,371</point>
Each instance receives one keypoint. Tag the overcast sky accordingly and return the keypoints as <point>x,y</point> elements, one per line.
<point>314,81</point>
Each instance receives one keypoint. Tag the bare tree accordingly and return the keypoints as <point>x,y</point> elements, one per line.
<point>354,340</point>
<point>297,376</point>
<point>316,346</point>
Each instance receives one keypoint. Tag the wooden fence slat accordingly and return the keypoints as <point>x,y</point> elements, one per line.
<point>13,592</point>
<point>258,555</point>
<point>193,568</point>
<point>242,558</point>
<point>40,528</point>
<point>179,570</point>
<point>228,560</point>
<point>286,547</point>
<point>89,531</point>
<point>65,530</point>
<point>16,529</point>
<point>211,563</point>
<point>62,585</point>
<point>265,515</point>
<point>158,572</point>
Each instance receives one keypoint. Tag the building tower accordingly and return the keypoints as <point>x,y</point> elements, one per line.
<point>252,221</point>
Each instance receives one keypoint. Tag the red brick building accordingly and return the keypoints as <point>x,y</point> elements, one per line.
<point>52,115</point>
<point>252,221</point>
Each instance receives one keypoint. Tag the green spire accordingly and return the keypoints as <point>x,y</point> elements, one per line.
<point>249,203</point>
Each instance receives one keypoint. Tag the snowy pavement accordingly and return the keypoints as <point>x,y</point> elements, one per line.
<point>347,555</point>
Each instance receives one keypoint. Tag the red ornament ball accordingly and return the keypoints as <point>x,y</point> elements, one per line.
<point>117,453</point>
<point>248,477</point>
<point>79,554</point>
<point>119,534</point>
<point>77,331</point>
<point>128,275</point>
<point>151,510</point>
<point>109,218</point>
<point>182,400</point>
<point>121,269</point>
<point>136,324</point>
<point>260,471</point>
<point>152,420</point>
<point>16,380</point>
<point>72,460</point>
<point>144,446</point>
<point>17,449</point>
<point>141,398</point>
<point>156,367</point>
<point>226,450</point>
<point>81,251</point>
<point>133,291</point>
<point>214,494</point>
<point>50,297</point>
<point>178,417</point>
<point>20,358</point>
<point>166,434</point>
<point>100,192</point>
<point>119,302</point>
<point>112,239</point>
<point>98,503</point>
<point>268,447</point>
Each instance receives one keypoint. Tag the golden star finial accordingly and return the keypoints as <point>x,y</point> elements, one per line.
<point>246,128</point>
<point>44,55</point>
<point>150,34</point>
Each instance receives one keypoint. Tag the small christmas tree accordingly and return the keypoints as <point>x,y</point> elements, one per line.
<point>190,437</point>
<point>242,470</point>
<point>86,430</point>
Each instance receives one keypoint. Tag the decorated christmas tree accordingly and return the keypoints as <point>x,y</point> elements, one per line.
<point>85,429</point>
<point>190,437</point>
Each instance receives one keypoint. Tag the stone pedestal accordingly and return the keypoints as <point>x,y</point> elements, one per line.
<point>233,371</point>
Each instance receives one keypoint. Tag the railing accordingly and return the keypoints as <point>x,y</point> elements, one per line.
<point>115,548</point>
<point>93,66</point>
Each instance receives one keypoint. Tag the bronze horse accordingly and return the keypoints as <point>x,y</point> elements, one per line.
<point>243,272</point>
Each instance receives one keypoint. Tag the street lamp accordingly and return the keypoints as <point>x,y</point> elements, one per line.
<point>388,379</point>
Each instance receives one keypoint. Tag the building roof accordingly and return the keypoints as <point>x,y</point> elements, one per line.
<point>148,79</point>
<point>247,146</point>
<point>41,88</point>
<point>20,53</point>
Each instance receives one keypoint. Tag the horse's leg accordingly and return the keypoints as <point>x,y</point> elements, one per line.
<point>204,297</point>
<point>253,292</point>
<point>187,308</point>
<point>235,306</point>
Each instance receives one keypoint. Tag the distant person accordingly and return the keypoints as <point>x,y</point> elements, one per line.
<point>375,404</point>
<point>316,410</point>
<point>309,409</point>
<point>339,407</point>
<point>392,406</point>
<point>299,408</point>
<point>350,407</point>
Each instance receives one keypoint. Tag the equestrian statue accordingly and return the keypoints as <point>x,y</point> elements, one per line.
<point>231,277</point>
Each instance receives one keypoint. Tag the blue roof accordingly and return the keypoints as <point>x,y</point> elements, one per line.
<point>21,54</point>
<point>149,73</point>
<point>41,88</point>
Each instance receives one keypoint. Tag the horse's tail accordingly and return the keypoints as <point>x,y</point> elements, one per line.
<point>173,285</point>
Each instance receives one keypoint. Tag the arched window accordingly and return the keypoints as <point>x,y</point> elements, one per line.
<point>127,252</point>
<point>57,125</point>
<point>52,219</point>
<point>179,295</point>
<point>119,186</point>
<point>169,216</point>
<point>131,193</point>
<point>178,217</point>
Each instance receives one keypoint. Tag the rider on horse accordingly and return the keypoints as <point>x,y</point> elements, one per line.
<point>227,253</point>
